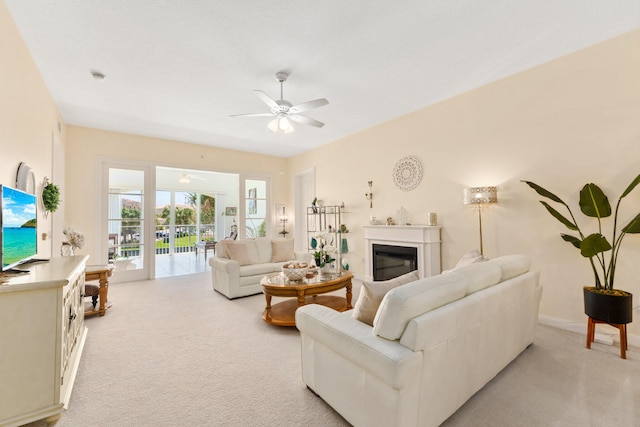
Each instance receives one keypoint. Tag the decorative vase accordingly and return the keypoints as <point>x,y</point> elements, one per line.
<point>66,250</point>
<point>608,306</point>
<point>314,243</point>
<point>344,246</point>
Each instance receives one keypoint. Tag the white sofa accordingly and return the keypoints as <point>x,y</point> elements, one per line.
<point>238,265</point>
<point>433,344</point>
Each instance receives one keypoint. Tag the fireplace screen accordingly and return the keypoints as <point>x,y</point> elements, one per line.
<point>393,261</point>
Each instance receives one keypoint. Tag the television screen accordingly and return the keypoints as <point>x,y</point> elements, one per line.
<point>19,231</point>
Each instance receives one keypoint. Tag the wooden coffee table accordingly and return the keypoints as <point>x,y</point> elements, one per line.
<point>307,291</point>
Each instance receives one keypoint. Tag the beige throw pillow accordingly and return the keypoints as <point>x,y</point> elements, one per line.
<point>282,250</point>
<point>372,293</point>
<point>238,252</point>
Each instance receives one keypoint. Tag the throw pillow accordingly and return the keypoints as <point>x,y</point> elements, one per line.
<point>238,252</point>
<point>470,258</point>
<point>282,250</point>
<point>372,293</point>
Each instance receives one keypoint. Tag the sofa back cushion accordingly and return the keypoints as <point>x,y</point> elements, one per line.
<point>263,250</point>
<point>479,275</point>
<point>513,265</point>
<point>282,250</point>
<point>405,302</point>
<point>371,294</point>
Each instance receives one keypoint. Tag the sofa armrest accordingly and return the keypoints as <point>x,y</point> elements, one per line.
<point>226,265</point>
<point>353,340</point>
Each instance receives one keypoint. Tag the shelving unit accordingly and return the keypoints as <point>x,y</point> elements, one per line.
<point>325,219</point>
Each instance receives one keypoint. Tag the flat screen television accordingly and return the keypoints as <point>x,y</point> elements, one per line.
<point>19,227</point>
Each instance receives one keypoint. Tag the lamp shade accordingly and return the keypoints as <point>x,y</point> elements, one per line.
<point>480,195</point>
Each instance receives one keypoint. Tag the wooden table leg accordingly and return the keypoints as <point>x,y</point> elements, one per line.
<point>102,292</point>
<point>349,296</point>
<point>591,332</point>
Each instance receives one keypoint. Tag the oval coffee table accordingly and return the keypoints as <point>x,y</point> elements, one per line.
<point>306,291</point>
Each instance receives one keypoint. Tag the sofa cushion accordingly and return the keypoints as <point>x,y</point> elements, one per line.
<point>221,248</point>
<point>282,250</point>
<point>480,275</point>
<point>405,302</point>
<point>263,248</point>
<point>371,294</point>
<point>513,265</point>
<point>238,252</point>
<point>258,269</point>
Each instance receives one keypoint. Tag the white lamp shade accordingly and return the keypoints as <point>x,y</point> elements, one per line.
<point>480,195</point>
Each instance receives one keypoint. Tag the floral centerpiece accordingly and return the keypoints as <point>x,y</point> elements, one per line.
<point>324,249</point>
<point>74,241</point>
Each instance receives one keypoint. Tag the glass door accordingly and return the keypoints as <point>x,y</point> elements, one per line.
<point>125,223</point>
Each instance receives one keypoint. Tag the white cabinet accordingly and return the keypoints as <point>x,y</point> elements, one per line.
<point>42,334</point>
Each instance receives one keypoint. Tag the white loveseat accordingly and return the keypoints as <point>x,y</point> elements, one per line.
<point>433,344</point>
<point>239,265</point>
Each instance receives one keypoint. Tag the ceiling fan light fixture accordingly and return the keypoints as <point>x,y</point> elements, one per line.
<point>184,179</point>
<point>280,124</point>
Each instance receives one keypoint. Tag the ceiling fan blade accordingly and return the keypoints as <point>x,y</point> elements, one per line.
<point>305,120</point>
<point>267,99</point>
<point>309,105</point>
<point>252,115</point>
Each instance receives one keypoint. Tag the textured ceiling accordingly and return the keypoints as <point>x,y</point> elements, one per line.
<point>178,69</point>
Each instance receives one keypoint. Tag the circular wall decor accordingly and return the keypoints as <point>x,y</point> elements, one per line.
<point>407,173</point>
<point>25,179</point>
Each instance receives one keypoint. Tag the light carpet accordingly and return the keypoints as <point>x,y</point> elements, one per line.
<point>172,352</point>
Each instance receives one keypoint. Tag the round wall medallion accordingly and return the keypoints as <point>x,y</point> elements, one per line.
<point>25,179</point>
<point>407,173</point>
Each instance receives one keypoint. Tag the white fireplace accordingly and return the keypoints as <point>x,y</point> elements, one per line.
<point>425,238</point>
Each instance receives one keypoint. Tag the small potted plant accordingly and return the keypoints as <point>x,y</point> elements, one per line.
<point>602,301</point>
<point>50,196</point>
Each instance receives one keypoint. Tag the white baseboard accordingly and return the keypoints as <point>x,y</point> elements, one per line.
<point>605,334</point>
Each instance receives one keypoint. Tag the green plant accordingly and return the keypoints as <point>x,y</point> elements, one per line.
<point>50,197</point>
<point>595,204</point>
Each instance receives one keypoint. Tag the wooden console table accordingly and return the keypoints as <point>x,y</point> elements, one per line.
<point>102,274</point>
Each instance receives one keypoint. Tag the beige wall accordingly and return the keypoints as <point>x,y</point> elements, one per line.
<point>86,147</point>
<point>562,124</point>
<point>28,117</point>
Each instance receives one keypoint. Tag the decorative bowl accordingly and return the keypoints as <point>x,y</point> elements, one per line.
<point>295,271</point>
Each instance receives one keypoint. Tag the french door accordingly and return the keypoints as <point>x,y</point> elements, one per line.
<point>127,218</point>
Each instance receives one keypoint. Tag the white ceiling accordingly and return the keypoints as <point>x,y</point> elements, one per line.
<point>178,69</point>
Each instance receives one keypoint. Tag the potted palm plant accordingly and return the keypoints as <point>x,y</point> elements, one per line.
<point>602,301</point>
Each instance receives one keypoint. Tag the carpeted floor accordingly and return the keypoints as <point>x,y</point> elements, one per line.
<point>172,352</point>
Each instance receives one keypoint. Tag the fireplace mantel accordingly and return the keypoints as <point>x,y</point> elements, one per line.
<point>425,238</point>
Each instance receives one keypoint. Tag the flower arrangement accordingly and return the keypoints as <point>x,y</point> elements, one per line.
<point>324,249</point>
<point>74,239</point>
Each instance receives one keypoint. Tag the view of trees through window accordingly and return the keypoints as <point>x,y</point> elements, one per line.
<point>191,219</point>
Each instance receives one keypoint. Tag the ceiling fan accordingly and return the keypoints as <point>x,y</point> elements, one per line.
<point>283,110</point>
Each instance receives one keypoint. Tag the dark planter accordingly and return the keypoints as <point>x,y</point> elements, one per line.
<point>609,308</point>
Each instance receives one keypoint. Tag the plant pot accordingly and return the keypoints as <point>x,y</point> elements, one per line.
<point>608,306</point>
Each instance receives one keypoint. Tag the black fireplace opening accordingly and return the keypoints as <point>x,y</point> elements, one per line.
<point>393,261</point>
